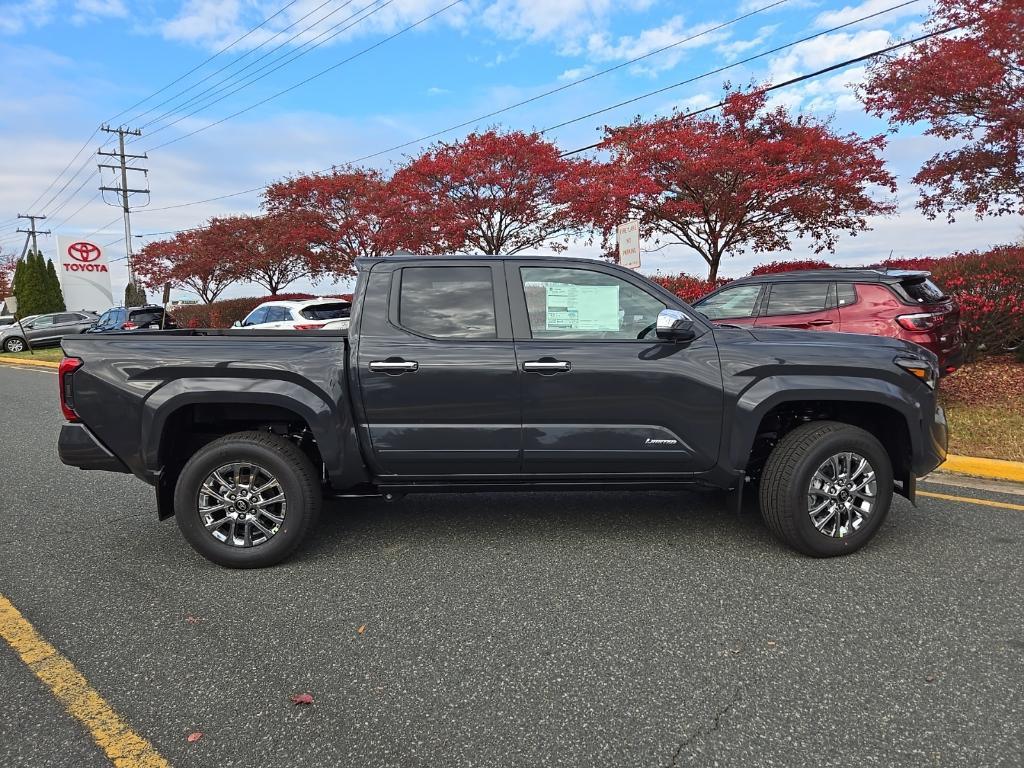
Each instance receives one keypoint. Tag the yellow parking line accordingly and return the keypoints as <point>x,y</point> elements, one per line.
<point>969,500</point>
<point>124,747</point>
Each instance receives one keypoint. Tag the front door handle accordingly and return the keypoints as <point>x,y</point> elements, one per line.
<point>547,365</point>
<point>394,366</point>
<point>820,322</point>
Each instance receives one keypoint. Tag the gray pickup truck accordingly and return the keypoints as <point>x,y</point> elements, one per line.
<point>510,374</point>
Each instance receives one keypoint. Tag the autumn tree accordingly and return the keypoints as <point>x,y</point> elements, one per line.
<point>193,260</point>
<point>969,88</point>
<point>338,216</point>
<point>8,264</point>
<point>267,250</point>
<point>747,179</point>
<point>491,193</point>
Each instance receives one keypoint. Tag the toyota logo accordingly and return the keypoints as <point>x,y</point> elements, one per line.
<point>84,252</point>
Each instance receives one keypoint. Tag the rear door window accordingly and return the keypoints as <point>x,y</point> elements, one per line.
<point>797,298</point>
<point>334,311</point>
<point>731,302</point>
<point>278,315</point>
<point>64,319</point>
<point>847,294</point>
<point>448,302</point>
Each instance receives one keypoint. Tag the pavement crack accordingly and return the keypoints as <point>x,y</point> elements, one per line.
<point>714,725</point>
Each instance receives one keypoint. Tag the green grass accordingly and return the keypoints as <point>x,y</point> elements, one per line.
<point>988,431</point>
<point>51,354</point>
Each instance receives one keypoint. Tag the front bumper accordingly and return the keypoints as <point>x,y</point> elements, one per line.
<point>78,447</point>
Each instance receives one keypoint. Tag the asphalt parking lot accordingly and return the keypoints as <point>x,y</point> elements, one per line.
<point>651,629</point>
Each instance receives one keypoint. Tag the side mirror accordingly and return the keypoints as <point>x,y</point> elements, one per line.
<point>236,324</point>
<point>674,325</point>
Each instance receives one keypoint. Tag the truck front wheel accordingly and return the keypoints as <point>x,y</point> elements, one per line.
<point>247,500</point>
<point>826,488</point>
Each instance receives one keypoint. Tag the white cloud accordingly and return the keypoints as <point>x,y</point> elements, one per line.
<point>86,10</point>
<point>732,50</point>
<point>17,17</point>
<point>749,6</point>
<point>574,74</point>
<point>544,19</point>
<point>437,91</point>
<point>601,47</point>
<point>848,13</point>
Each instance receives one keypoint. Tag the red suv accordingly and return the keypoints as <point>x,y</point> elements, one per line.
<point>899,303</point>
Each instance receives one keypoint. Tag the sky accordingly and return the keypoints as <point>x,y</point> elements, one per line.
<point>233,94</point>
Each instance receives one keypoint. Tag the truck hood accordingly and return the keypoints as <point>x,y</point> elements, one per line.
<point>845,340</point>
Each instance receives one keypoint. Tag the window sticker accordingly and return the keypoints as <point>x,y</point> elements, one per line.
<point>581,307</point>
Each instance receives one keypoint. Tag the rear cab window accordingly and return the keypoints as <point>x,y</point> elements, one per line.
<point>146,317</point>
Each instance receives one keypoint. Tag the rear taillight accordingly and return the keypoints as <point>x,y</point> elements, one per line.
<point>129,326</point>
<point>307,326</point>
<point>921,321</point>
<point>65,377</point>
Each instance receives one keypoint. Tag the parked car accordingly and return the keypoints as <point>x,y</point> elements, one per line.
<point>502,373</point>
<point>44,330</point>
<point>900,304</point>
<point>307,315</point>
<point>149,317</point>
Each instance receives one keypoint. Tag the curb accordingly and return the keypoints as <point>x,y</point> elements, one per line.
<point>28,363</point>
<point>994,469</point>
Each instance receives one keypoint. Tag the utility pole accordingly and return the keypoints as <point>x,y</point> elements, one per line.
<point>124,189</point>
<point>33,230</point>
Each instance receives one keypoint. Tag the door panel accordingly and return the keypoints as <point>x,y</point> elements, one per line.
<point>622,406</point>
<point>445,404</point>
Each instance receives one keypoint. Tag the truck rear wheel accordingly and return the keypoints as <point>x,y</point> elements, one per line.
<point>826,488</point>
<point>247,500</point>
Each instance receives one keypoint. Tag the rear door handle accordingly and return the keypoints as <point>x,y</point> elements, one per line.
<point>394,366</point>
<point>820,322</point>
<point>547,366</point>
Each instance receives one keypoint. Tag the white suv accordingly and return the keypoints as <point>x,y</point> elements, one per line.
<point>308,315</point>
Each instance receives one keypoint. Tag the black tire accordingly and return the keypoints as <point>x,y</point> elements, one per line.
<point>14,341</point>
<point>289,465</point>
<point>787,476</point>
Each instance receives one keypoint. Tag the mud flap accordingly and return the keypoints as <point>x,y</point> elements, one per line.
<point>165,495</point>
<point>907,488</point>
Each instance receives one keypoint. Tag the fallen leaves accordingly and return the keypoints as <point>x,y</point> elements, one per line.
<point>193,737</point>
<point>361,629</point>
<point>301,699</point>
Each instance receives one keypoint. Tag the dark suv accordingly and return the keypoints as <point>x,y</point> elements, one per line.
<point>897,303</point>
<point>149,317</point>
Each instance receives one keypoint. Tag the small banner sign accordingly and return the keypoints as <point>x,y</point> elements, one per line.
<point>84,274</point>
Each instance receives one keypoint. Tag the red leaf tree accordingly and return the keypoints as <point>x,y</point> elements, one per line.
<point>270,250</point>
<point>193,260</point>
<point>969,88</point>
<point>341,216</point>
<point>746,179</point>
<point>491,193</point>
<point>7,266</point>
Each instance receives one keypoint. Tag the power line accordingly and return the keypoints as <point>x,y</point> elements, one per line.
<point>65,168</point>
<point>201,64</point>
<point>195,97</point>
<point>561,88</point>
<point>216,96</point>
<point>319,74</point>
<point>792,80</point>
<point>79,210</point>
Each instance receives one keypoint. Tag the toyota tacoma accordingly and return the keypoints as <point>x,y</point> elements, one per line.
<point>502,374</point>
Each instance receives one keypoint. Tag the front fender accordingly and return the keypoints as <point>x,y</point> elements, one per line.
<point>764,394</point>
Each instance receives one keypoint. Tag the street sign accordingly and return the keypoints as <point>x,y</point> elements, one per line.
<point>84,274</point>
<point>627,235</point>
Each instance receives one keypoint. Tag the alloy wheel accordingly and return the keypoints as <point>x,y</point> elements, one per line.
<point>842,494</point>
<point>242,504</point>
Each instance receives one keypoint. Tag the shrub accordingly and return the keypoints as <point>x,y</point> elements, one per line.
<point>688,287</point>
<point>773,267</point>
<point>221,314</point>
